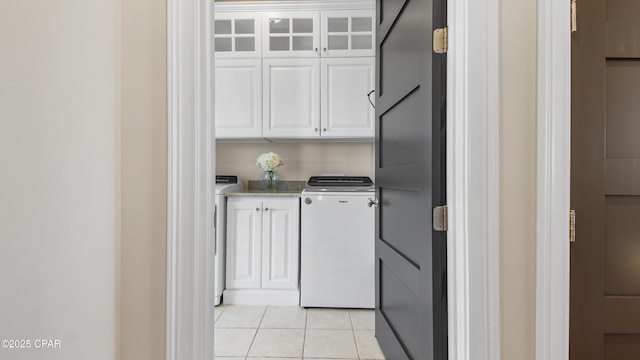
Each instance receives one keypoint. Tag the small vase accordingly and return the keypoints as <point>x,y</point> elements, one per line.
<point>271,180</point>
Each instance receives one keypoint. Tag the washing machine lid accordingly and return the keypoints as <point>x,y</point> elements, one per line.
<point>339,183</point>
<point>227,183</point>
<point>226,179</point>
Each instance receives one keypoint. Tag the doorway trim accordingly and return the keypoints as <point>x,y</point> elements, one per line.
<point>553,180</point>
<point>190,181</point>
<point>472,180</point>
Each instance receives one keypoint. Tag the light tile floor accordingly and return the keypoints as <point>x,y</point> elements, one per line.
<point>291,332</point>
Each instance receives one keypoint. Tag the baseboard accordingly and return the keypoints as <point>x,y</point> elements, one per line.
<point>260,297</point>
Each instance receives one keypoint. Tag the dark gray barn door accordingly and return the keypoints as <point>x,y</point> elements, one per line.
<point>411,312</point>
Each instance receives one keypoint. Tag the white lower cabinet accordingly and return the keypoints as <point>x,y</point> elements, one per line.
<point>263,242</point>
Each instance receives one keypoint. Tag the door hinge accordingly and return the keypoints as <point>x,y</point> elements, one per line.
<point>440,40</point>
<point>574,16</point>
<point>572,226</point>
<point>440,218</point>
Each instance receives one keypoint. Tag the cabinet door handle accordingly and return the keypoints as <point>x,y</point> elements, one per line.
<point>257,209</point>
<point>266,209</point>
<point>325,49</point>
<point>324,129</point>
<point>316,129</point>
<point>316,49</point>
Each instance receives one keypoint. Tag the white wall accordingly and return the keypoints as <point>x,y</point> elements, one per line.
<point>302,159</point>
<point>59,176</point>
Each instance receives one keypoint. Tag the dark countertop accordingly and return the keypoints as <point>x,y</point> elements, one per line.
<point>284,188</point>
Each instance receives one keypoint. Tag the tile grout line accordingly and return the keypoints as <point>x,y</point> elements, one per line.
<point>256,334</point>
<point>304,333</point>
<point>353,332</point>
<point>219,315</point>
<point>305,330</point>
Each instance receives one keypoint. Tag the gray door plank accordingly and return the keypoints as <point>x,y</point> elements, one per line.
<point>411,306</point>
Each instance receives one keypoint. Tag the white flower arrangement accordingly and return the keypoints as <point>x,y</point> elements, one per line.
<point>269,161</point>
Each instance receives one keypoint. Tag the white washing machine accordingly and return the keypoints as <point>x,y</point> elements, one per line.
<point>224,184</point>
<point>337,265</point>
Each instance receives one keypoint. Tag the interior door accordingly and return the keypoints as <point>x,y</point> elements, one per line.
<point>411,312</point>
<point>605,182</point>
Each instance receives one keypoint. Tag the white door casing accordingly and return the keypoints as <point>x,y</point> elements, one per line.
<point>473,180</point>
<point>553,180</point>
<point>190,181</point>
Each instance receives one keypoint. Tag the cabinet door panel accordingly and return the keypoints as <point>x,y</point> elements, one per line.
<point>238,101</point>
<point>348,33</point>
<point>244,234</point>
<point>291,97</point>
<point>280,244</point>
<point>346,111</point>
<point>291,34</point>
<point>237,35</point>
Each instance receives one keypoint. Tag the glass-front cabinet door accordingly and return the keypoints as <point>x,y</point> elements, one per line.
<point>348,33</point>
<point>291,34</point>
<point>237,35</point>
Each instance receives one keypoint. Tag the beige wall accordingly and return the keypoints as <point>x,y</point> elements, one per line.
<point>60,176</point>
<point>144,86</point>
<point>518,177</point>
<point>302,160</point>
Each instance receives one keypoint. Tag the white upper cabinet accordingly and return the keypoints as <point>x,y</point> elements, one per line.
<point>238,98</point>
<point>294,70</point>
<point>237,35</point>
<point>311,98</point>
<point>291,97</point>
<point>291,34</point>
<point>348,33</point>
<point>345,108</point>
